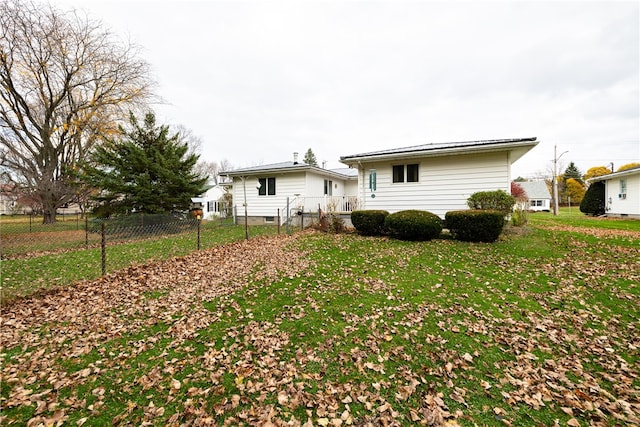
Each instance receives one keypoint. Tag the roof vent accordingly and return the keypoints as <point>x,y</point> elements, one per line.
<point>295,158</point>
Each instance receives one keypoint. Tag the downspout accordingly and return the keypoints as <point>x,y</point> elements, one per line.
<point>363,197</point>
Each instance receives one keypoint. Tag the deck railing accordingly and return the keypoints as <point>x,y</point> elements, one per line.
<point>310,205</point>
<point>339,204</point>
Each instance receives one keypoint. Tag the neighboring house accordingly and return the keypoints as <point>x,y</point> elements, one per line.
<point>211,202</point>
<point>14,202</point>
<point>538,195</point>
<point>435,177</point>
<point>622,193</point>
<point>290,188</point>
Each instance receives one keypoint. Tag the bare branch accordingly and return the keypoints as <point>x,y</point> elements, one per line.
<point>66,82</point>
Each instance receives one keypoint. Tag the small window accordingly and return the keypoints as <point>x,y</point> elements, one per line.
<point>398,173</point>
<point>412,173</point>
<point>271,186</point>
<point>623,186</point>
<point>267,186</point>
<point>269,219</point>
<point>328,187</point>
<point>210,206</point>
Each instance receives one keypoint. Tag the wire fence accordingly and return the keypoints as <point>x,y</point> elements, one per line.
<point>36,256</point>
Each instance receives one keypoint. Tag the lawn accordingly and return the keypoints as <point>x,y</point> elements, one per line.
<point>55,255</point>
<point>539,328</point>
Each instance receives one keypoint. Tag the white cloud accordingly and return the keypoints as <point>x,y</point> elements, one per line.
<point>259,80</point>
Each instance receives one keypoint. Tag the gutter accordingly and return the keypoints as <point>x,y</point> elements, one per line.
<point>436,152</point>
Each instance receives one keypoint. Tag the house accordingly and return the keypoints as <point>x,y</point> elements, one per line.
<point>211,202</point>
<point>622,193</point>
<point>288,189</point>
<point>15,202</point>
<point>538,195</point>
<point>435,177</point>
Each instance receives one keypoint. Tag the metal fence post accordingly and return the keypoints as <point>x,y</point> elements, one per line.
<point>104,250</point>
<point>278,221</point>
<point>199,232</point>
<point>288,220</point>
<point>86,231</point>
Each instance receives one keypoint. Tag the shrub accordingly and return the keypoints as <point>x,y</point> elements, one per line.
<point>331,223</point>
<point>413,225</point>
<point>593,201</point>
<point>497,200</point>
<point>519,217</point>
<point>475,225</point>
<point>369,222</point>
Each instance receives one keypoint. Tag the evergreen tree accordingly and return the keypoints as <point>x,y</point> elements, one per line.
<point>593,200</point>
<point>310,158</point>
<point>146,170</point>
<point>572,171</point>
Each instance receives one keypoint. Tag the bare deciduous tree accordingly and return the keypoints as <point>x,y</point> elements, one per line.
<point>65,81</point>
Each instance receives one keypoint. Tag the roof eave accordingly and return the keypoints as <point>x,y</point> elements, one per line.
<point>529,144</point>
<point>300,168</point>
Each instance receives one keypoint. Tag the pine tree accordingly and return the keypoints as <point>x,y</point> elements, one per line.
<point>145,170</point>
<point>572,171</point>
<point>310,158</point>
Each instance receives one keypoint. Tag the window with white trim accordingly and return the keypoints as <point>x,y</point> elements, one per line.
<point>267,187</point>
<point>410,171</point>
<point>328,187</point>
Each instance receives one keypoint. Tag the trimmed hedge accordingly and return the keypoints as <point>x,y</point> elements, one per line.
<point>413,225</point>
<point>475,225</point>
<point>498,200</point>
<point>369,222</point>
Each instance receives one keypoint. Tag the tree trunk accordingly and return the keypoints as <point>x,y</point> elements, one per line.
<point>50,203</point>
<point>49,217</point>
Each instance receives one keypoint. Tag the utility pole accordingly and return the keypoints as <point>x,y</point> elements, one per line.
<point>555,178</point>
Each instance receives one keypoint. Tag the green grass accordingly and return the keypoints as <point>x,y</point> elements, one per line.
<point>502,332</point>
<point>48,267</point>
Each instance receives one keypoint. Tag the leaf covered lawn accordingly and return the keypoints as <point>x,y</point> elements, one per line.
<point>537,329</point>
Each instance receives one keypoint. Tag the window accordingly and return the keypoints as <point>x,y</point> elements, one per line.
<point>536,203</point>
<point>623,186</point>
<point>328,187</point>
<point>267,187</point>
<point>210,206</point>
<point>412,173</point>
<point>398,173</point>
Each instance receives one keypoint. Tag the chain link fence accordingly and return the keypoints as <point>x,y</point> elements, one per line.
<point>36,256</point>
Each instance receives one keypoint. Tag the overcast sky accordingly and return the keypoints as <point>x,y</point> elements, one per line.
<point>258,80</point>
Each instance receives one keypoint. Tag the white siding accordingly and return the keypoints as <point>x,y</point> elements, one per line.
<point>351,187</point>
<point>286,185</point>
<point>616,205</point>
<point>444,184</point>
